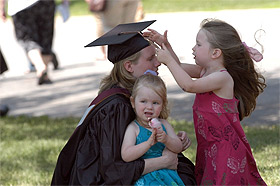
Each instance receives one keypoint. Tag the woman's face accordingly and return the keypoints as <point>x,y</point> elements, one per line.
<point>146,61</point>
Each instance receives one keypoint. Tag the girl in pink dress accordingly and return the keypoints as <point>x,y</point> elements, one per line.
<point>226,86</point>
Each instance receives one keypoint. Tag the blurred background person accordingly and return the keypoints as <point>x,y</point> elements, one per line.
<point>34,28</point>
<point>4,109</point>
<point>115,12</point>
<point>140,14</point>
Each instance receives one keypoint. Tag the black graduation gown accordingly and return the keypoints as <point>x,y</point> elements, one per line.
<point>97,158</point>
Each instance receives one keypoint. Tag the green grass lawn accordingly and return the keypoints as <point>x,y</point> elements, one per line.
<point>79,7</point>
<point>30,146</point>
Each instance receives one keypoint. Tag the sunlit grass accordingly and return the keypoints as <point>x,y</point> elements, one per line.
<point>30,146</point>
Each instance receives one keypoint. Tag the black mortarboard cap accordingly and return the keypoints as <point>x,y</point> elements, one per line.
<point>124,40</point>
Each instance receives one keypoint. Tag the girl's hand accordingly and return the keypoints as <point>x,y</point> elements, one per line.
<point>163,55</point>
<point>157,37</point>
<point>161,136</point>
<point>186,142</point>
<point>152,140</point>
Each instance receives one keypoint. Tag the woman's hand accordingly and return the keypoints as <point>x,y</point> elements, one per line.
<point>170,159</point>
<point>184,139</point>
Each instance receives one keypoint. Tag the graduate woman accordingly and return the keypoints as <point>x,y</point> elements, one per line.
<point>92,155</point>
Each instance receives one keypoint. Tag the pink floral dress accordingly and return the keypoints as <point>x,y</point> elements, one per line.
<point>224,155</point>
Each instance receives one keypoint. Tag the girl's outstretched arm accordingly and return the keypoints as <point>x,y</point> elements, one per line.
<point>212,82</point>
<point>129,150</point>
<point>192,69</point>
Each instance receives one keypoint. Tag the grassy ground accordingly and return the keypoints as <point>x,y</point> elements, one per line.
<point>30,146</point>
<point>79,7</point>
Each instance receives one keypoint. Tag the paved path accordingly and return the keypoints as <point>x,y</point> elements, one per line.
<point>76,83</point>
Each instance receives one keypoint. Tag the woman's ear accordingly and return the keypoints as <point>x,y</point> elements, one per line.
<point>132,102</point>
<point>216,53</point>
<point>128,66</point>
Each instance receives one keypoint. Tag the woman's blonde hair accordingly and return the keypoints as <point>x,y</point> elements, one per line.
<point>158,86</point>
<point>119,75</point>
<point>248,83</point>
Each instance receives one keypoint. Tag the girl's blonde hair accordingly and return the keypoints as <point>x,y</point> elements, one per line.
<point>158,86</point>
<point>248,83</point>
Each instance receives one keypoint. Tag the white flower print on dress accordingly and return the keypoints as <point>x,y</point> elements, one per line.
<point>234,118</point>
<point>217,107</point>
<point>245,139</point>
<point>235,165</point>
<point>200,125</point>
<point>212,154</point>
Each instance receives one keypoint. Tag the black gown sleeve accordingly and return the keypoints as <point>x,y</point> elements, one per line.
<point>98,158</point>
<point>113,169</point>
<point>185,170</point>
